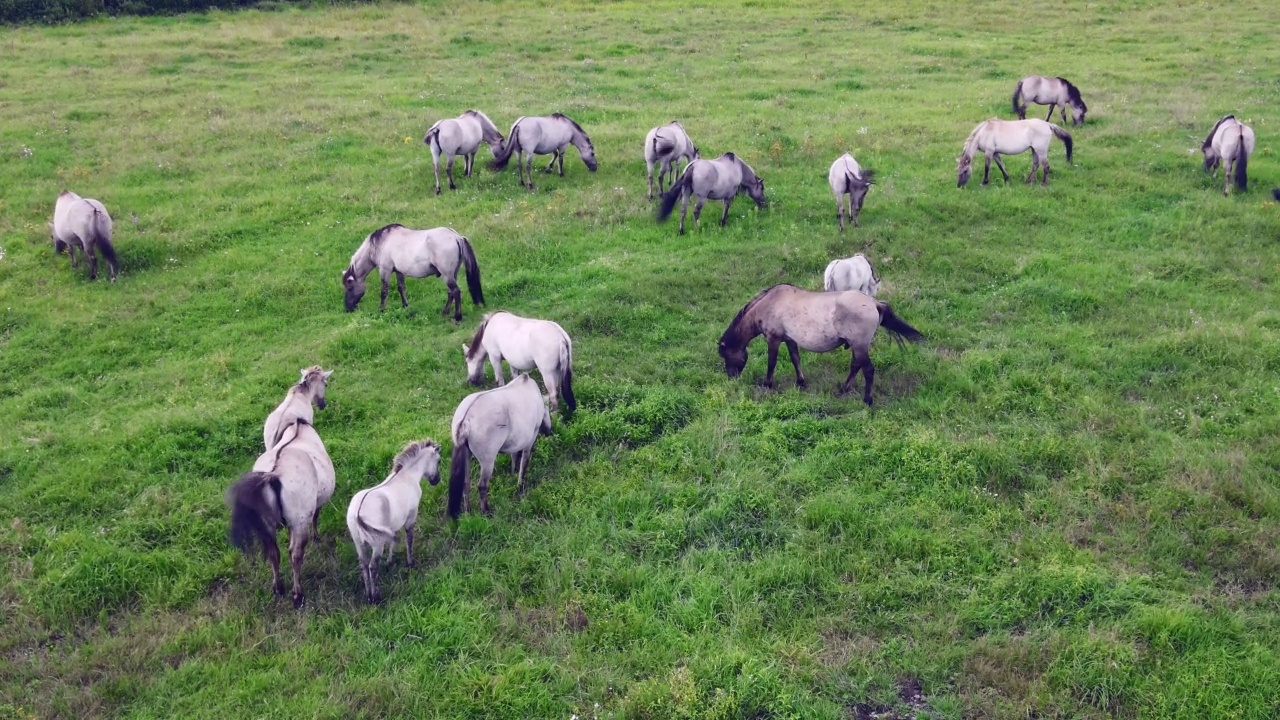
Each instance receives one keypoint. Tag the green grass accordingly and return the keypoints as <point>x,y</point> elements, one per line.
<point>1064,505</point>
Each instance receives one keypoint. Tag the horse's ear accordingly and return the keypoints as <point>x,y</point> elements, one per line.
<point>304,373</point>
<point>465,349</point>
<point>326,375</point>
<point>348,280</point>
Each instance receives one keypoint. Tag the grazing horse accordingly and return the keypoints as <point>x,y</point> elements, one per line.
<point>1233,141</point>
<point>543,136</point>
<point>525,343</point>
<point>502,420</point>
<point>288,486</point>
<point>666,146</point>
<point>82,223</point>
<point>376,514</point>
<point>853,273</point>
<point>846,177</point>
<point>1054,92</point>
<point>297,404</point>
<point>719,179</point>
<point>416,253</point>
<point>816,321</point>
<point>460,136</point>
<point>995,137</point>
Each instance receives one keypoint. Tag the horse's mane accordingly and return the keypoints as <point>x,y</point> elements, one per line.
<point>1073,93</point>
<point>574,123</point>
<point>1209,140</point>
<point>280,433</point>
<point>479,336</point>
<point>972,140</point>
<point>410,452</point>
<point>733,325</point>
<point>377,236</point>
<point>313,372</point>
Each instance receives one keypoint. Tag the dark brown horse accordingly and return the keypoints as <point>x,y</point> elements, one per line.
<point>816,321</point>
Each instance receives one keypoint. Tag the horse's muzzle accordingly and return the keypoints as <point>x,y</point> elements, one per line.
<point>320,403</point>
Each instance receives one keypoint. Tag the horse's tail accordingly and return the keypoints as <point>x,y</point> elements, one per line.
<point>1242,163</point>
<point>432,139</point>
<point>1018,109</point>
<point>102,240</point>
<point>672,194</point>
<point>566,378</point>
<point>660,150</point>
<point>473,271</point>
<point>503,154</point>
<point>252,515</point>
<point>1275,193</point>
<point>895,326</point>
<point>829,276</point>
<point>1064,136</point>
<point>459,466</point>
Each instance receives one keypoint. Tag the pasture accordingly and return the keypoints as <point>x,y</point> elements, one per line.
<point>1064,503</point>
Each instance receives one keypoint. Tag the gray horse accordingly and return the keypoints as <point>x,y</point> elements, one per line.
<point>1054,92</point>
<point>396,249</point>
<point>548,135</point>
<point>460,136</point>
<point>665,147</point>
<point>83,224</point>
<point>719,179</point>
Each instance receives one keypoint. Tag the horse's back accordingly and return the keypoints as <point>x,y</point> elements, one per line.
<point>843,166</point>
<point>526,342</point>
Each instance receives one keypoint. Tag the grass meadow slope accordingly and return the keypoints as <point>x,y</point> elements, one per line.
<point>1064,504</point>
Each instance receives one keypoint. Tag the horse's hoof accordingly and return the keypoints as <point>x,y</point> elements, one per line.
<point>802,384</point>
<point>437,191</point>
<point>867,400</point>
<point>299,600</point>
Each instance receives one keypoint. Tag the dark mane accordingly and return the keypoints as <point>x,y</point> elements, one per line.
<point>733,326</point>
<point>1073,93</point>
<point>574,123</point>
<point>409,452</point>
<point>479,336</point>
<point>1209,140</point>
<point>730,155</point>
<point>377,236</point>
<point>313,372</point>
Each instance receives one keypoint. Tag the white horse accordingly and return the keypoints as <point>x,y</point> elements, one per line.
<point>288,486</point>
<point>503,420</point>
<point>83,223</point>
<point>1233,141</point>
<point>542,136</point>
<point>460,136</point>
<point>719,179</point>
<point>666,146</point>
<point>1054,92</point>
<point>416,253</point>
<point>376,514</point>
<point>853,273</point>
<point>846,177</point>
<point>525,343</point>
<point>995,137</point>
<point>297,404</point>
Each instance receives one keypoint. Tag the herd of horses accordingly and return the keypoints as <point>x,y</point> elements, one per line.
<point>293,478</point>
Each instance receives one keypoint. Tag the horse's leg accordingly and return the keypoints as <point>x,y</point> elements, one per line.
<point>448,169</point>
<point>1035,164</point>
<point>551,380</point>
<point>551,165</point>
<point>795,361</point>
<point>529,172</point>
<point>855,362</point>
<point>561,155</point>
<point>840,211</point>
<point>724,216</point>
<point>435,166</point>
<point>371,573</point>
<point>91,252</point>
<point>649,176</point>
<point>522,466</point>
<point>455,296</point>
<point>272,553</point>
<point>297,544</point>
<point>1045,168</point>
<point>315,524</point>
<point>1226,180</point>
<point>470,161</point>
<point>1000,164</point>
<point>773,362</point>
<point>868,374</point>
<point>986,171</point>
<point>408,545</point>
<point>404,301</point>
<point>1049,117</point>
<point>697,212</point>
<point>362,554</point>
<point>486,472</point>
<point>684,208</point>
<point>385,288</point>
<point>495,359</point>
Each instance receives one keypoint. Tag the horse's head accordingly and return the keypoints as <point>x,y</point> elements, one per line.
<point>1211,158</point>
<point>475,365</point>
<point>734,359</point>
<point>588,153</point>
<point>964,168</point>
<point>431,471</point>
<point>696,155</point>
<point>315,379</point>
<point>354,287</point>
<point>1078,111</point>
<point>755,191</point>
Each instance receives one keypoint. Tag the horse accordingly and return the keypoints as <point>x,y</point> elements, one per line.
<point>416,253</point>
<point>1232,140</point>
<point>376,514</point>
<point>996,137</point>
<point>288,486</point>
<point>666,146</point>
<point>816,321</point>
<point>297,404</point>
<point>508,420</point>
<point>85,224</point>
<point>542,136</point>
<point>846,177</point>
<point>460,136</point>
<point>1054,92</point>
<point>525,343</point>
<point>719,179</point>
<point>853,273</point>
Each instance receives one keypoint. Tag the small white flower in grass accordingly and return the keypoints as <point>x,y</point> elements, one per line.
<point>862,131</point>
<point>26,151</point>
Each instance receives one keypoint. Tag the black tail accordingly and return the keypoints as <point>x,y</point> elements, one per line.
<point>1017,109</point>
<point>566,388</point>
<point>1064,136</point>
<point>503,155</point>
<point>473,271</point>
<point>895,326</point>
<point>433,136</point>
<point>459,466</point>
<point>672,195</point>
<point>252,517</point>
<point>1242,164</point>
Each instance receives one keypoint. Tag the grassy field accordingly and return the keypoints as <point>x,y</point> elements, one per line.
<point>1064,505</point>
